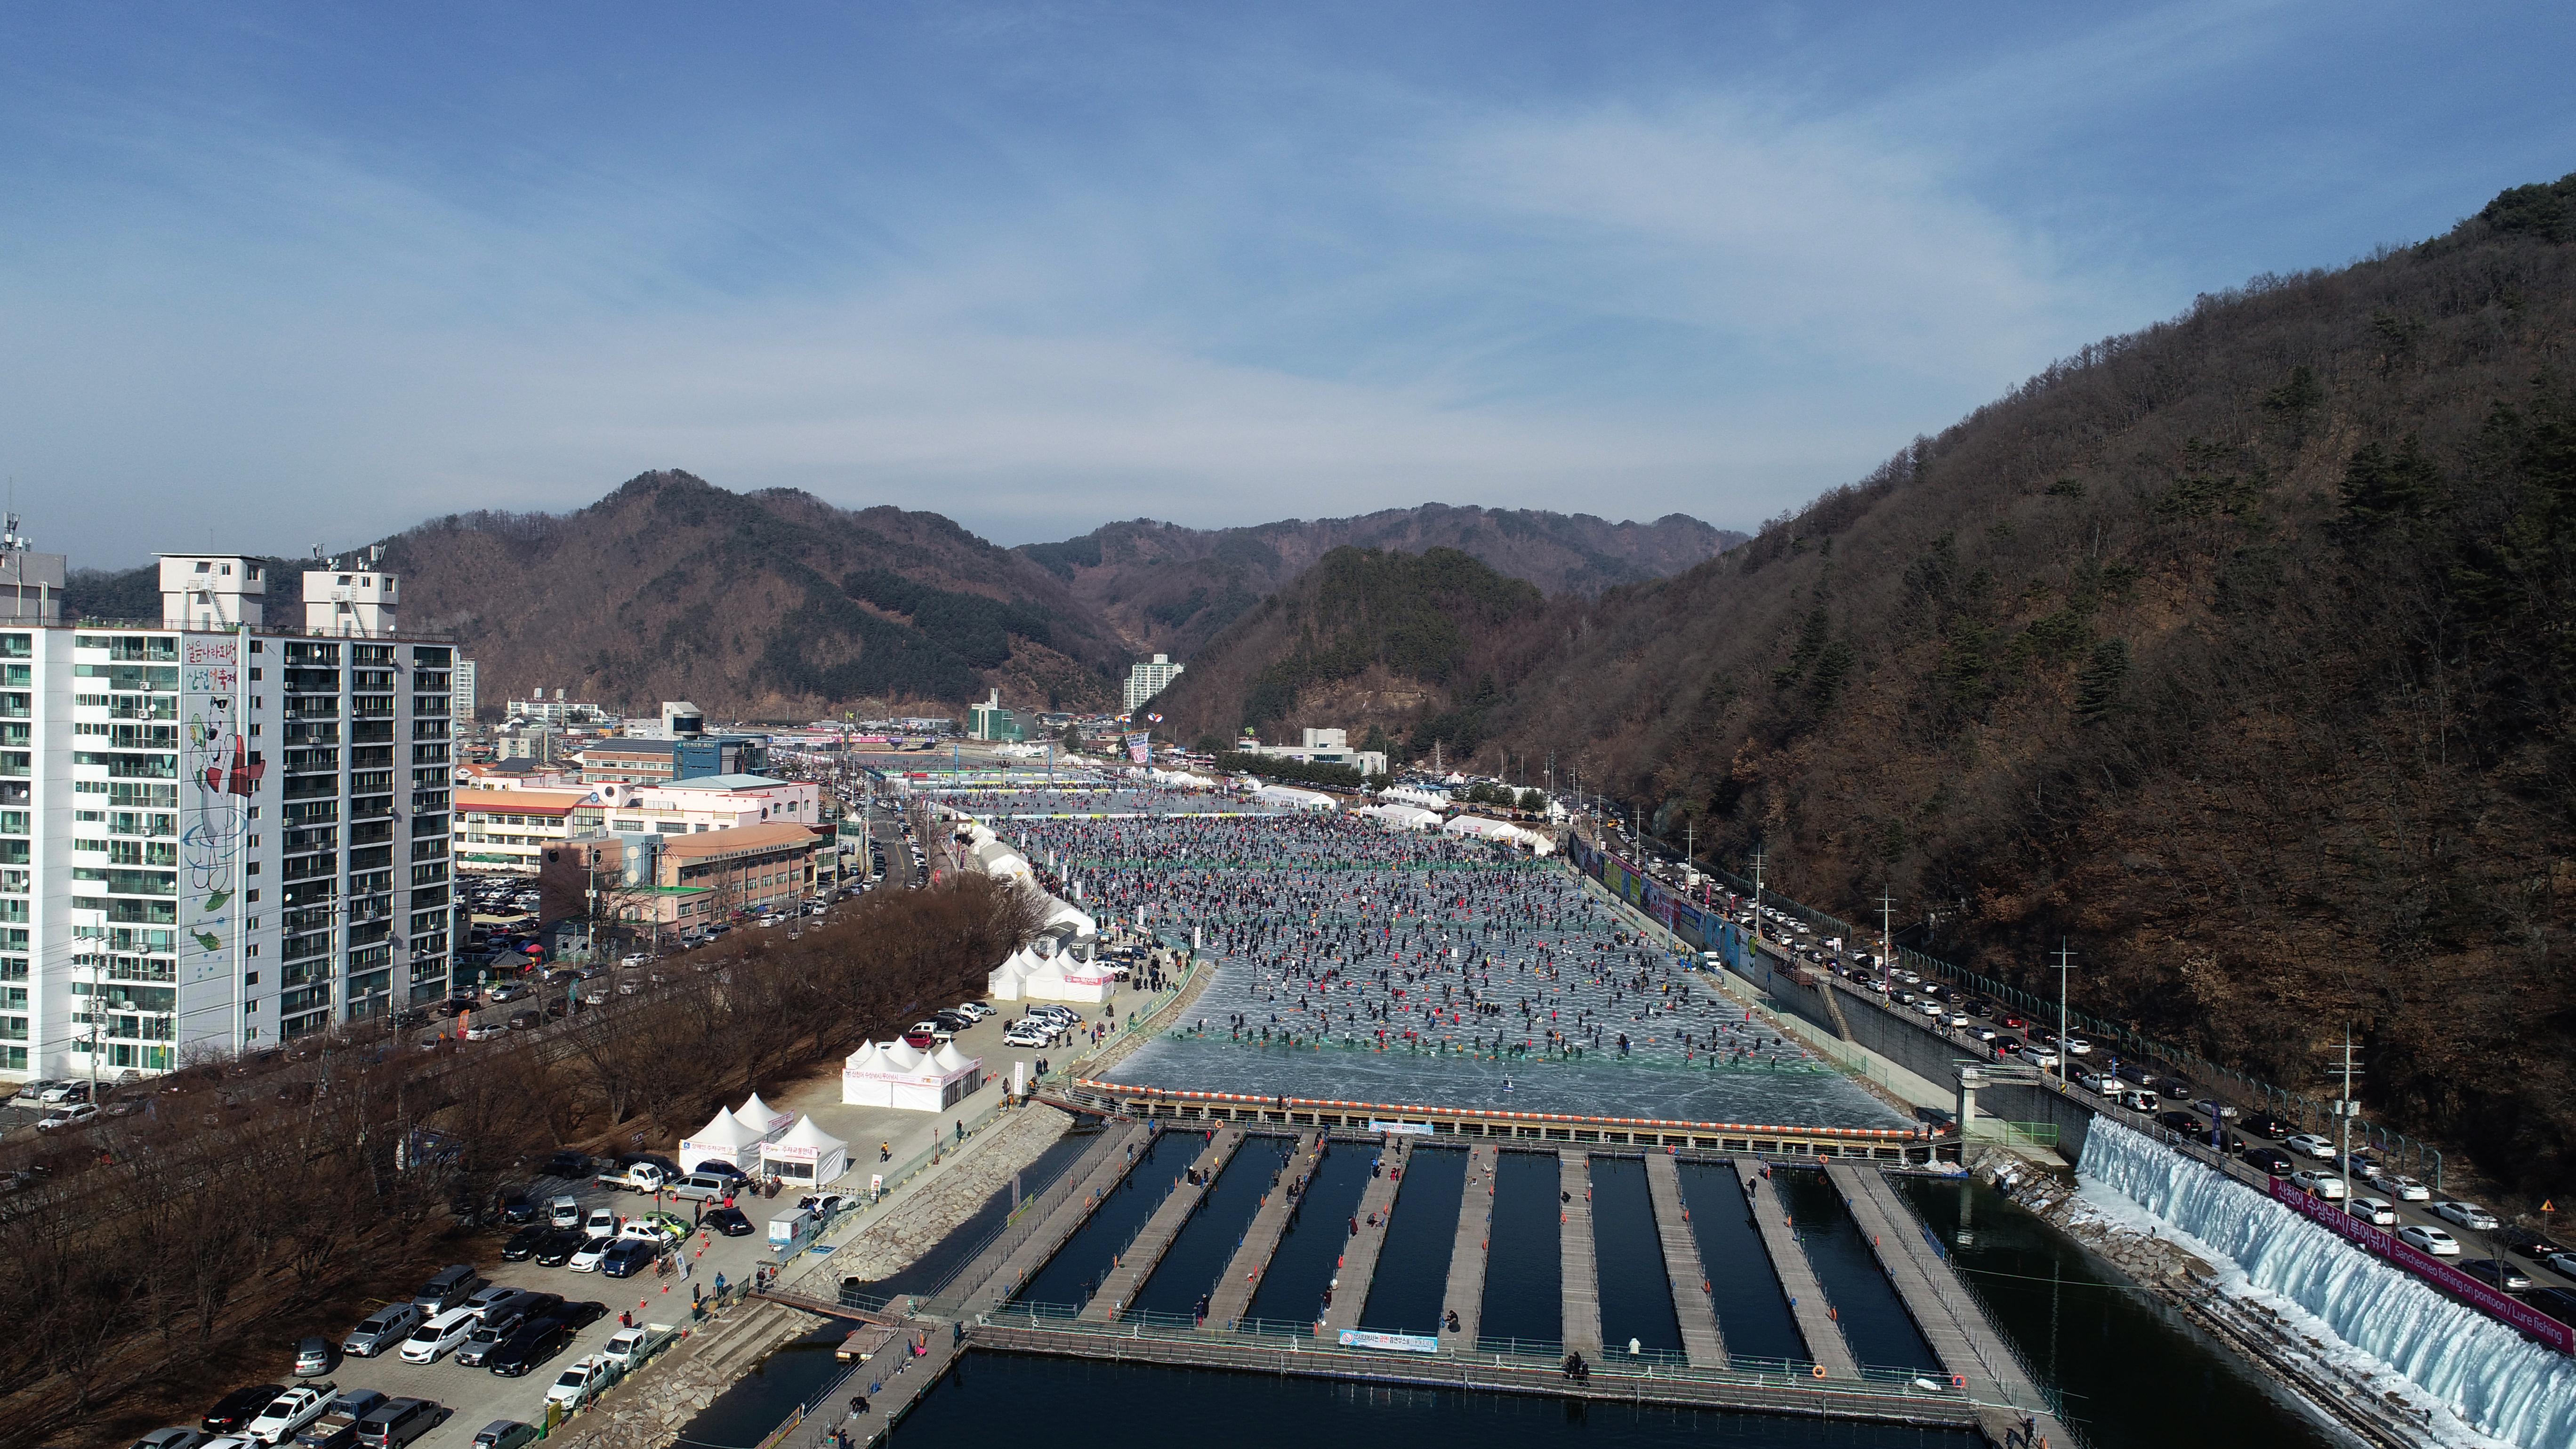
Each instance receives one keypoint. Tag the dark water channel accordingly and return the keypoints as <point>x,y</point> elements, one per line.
<point>1524,1277</point>
<point>1292,1287</point>
<point>1207,1241</point>
<point>1874,1320</point>
<point>1076,1271</point>
<point>1752,1312</point>
<point>1413,1262</point>
<point>787,1378</point>
<point>1628,1261</point>
<point>992,1396</point>
<point>2136,1373</point>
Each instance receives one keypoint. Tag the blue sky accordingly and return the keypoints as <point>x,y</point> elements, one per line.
<point>276,277</point>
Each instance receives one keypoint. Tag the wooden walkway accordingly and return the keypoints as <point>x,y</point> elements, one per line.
<point>1359,1256</point>
<point>1242,1276</point>
<point>1952,1322</point>
<point>1701,1342</point>
<point>1581,1325</point>
<point>1825,1341</point>
<point>1154,1239</point>
<point>1465,1295</point>
<point>994,1277</point>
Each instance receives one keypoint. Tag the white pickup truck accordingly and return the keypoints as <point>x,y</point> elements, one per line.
<point>638,1177</point>
<point>580,1382</point>
<point>628,1348</point>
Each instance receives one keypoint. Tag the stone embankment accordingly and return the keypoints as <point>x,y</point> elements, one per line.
<point>920,1224</point>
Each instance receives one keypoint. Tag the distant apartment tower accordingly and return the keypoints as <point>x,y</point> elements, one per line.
<point>1147,679</point>
<point>463,694</point>
<point>215,832</point>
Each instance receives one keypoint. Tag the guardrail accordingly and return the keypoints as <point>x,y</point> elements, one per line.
<point>1881,1392</point>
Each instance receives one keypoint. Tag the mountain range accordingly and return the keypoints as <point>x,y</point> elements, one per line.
<point>775,604</point>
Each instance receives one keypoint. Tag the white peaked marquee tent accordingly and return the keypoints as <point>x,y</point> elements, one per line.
<point>724,1139</point>
<point>762,1118</point>
<point>806,1154</point>
<point>890,1074</point>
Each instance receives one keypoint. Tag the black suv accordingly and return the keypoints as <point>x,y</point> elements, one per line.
<point>535,1342</point>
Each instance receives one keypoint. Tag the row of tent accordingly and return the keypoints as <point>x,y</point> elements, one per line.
<point>1479,827</point>
<point>761,1141</point>
<point>894,1074</point>
<point>1028,976</point>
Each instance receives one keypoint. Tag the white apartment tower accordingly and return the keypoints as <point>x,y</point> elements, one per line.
<point>1145,680</point>
<point>215,833</point>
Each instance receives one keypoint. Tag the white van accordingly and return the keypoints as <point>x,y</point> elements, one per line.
<point>433,1339</point>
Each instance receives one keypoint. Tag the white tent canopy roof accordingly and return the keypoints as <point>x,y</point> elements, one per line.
<point>806,1134</point>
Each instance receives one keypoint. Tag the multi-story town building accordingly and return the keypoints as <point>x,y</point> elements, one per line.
<point>215,831</point>
<point>1147,678</point>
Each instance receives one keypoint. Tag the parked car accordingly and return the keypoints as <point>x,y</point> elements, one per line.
<point>628,1256</point>
<point>341,1417</point>
<point>2319,1184</point>
<point>559,1246</point>
<point>2270,1159</point>
<point>2373,1210</point>
<point>313,1357</point>
<point>234,1411</point>
<point>2271,1126</point>
<point>536,1341</point>
<point>289,1412</point>
<point>385,1328</point>
<point>2562,1264</point>
<point>505,1434</point>
<point>587,1259</point>
<point>2531,1244</point>
<point>2429,1240</point>
<point>523,1243</point>
<point>704,1186</point>
<point>2497,1273</point>
<point>75,1114</point>
<point>2309,1144</point>
<point>580,1382</point>
<point>732,1222</point>
<point>174,1438</point>
<point>2466,1214</point>
<point>397,1422</point>
<point>447,1288</point>
<point>431,1341</point>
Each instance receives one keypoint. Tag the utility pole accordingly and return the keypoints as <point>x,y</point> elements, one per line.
<point>2065,963</point>
<point>2344,1112</point>
<point>1758,860</point>
<point>1886,936</point>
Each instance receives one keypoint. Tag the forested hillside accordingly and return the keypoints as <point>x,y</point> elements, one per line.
<point>761,603</point>
<point>1170,588</point>
<point>1368,640</point>
<point>2237,653</point>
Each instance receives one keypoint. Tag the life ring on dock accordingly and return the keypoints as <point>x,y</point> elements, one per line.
<point>1958,1381</point>
<point>1820,1370</point>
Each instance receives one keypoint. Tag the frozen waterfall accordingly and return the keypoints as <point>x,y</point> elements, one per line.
<point>2491,1376</point>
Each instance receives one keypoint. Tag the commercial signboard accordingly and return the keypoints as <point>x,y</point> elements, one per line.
<point>1397,1342</point>
<point>2372,1239</point>
<point>1400,1129</point>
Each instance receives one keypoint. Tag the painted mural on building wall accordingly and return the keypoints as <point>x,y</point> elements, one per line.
<point>217,778</point>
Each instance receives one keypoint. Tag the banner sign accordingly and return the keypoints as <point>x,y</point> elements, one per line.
<point>1140,748</point>
<point>1401,1129</point>
<point>1399,1342</point>
<point>2373,1239</point>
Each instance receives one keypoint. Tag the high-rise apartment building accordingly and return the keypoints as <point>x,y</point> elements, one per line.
<point>1145,679</point>
<point>215,832</point>
<point>463,694</point>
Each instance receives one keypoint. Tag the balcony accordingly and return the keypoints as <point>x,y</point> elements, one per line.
<point>306,762</point>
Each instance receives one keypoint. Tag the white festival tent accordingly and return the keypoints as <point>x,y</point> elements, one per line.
<point>1295,798</point>
<point>1008,981</point>
<point>762,1118</point>
<point>806,1154</point>
<point>1500,831</point>
<point>1062,978</point>
<point>724,1139</point>
<point>1401,817</point>
<point>891,1074</point>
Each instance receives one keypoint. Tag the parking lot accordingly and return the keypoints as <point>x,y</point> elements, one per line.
<point>475,1396</point>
